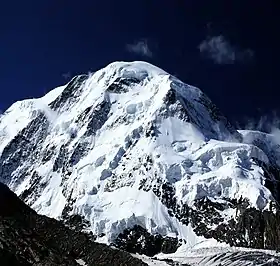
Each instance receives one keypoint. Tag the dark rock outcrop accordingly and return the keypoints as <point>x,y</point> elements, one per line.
<point>139,240</point>
<point>122,85</point>
<point>70,93</point>
<point>25,147</point>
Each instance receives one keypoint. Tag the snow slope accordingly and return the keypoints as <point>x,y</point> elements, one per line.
<point>104,146</point>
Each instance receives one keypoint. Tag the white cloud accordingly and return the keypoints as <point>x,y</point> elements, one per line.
<point>222,52</point>
<point>141,47</point>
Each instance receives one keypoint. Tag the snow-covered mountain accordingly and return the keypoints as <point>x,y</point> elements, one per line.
<point>144,161</point>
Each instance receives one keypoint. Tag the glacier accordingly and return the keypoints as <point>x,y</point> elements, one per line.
<point>131,145</point>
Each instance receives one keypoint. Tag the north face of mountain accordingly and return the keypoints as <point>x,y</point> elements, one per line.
<point>134,155</point>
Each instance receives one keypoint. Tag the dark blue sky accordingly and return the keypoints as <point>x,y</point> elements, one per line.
<point>42,41</point>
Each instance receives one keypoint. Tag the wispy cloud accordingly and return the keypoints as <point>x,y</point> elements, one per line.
<point>141,47</point>
<point>221,51</point>
<point>265,123</point>
<point>67,75</point>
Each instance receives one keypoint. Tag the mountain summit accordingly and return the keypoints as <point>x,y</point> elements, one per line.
<point>146,163</point>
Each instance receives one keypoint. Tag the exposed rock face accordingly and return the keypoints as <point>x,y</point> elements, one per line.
<point>138,240</point>
<point>27,238</point>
